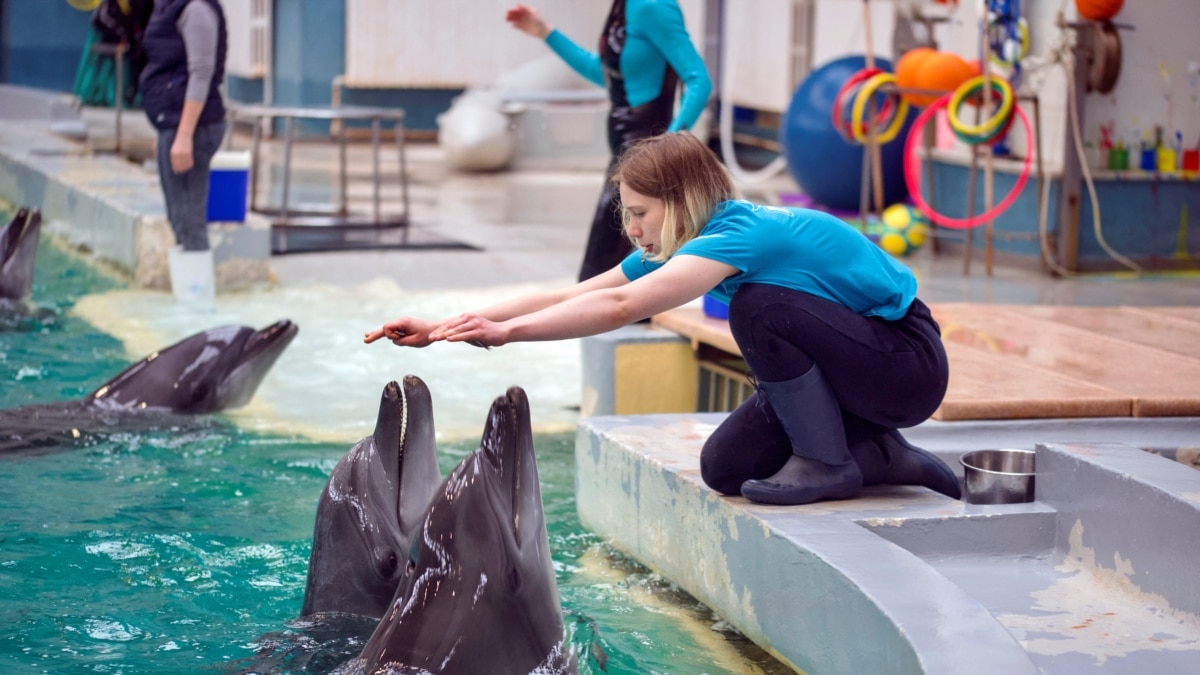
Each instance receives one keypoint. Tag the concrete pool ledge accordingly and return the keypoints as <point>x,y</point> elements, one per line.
<point>113,210</point>
<point>1094,576</point>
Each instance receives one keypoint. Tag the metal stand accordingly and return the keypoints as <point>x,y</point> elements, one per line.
<point>347,230</point>
<point>116,51</point>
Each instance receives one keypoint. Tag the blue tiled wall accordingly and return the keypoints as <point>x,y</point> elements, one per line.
<point>41,42</point>
<point>1154,222</point>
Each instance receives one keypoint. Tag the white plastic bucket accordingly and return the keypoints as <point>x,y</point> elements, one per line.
<point>192,278</point>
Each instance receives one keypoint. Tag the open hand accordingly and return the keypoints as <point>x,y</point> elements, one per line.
<point>403,332</point>
<point>472,329</point>
<point>528,21</point>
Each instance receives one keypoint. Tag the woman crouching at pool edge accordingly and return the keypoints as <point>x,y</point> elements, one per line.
<point>841,351</point>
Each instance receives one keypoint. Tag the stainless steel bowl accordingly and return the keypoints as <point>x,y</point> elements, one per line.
<point>998,476</point>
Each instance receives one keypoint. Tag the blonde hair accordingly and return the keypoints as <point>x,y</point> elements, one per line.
<point>681,171</point>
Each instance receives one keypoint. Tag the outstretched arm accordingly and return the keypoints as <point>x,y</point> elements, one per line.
<point>411,332</point>
<point>682,279</point>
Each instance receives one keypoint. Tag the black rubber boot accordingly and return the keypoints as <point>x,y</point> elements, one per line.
<point>820,466</point>
<point>891,460</point>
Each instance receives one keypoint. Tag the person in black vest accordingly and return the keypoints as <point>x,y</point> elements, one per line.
<point>185,45</point>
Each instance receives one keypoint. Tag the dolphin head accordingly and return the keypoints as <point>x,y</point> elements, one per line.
<point>479,593</point>
<point>18,249</point>
<point>373,503</point>
<point>207,372</point>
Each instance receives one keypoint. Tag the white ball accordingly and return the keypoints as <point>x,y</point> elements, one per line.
<point>476,137</point>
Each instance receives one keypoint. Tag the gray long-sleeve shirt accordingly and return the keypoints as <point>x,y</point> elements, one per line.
<point>198,25</point>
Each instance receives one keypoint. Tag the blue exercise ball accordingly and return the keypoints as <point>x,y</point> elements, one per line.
<point>825,165</point>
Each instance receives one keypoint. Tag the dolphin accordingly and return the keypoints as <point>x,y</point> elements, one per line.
<point>479,594</point>
<point>367,515</point>
<point>208,372</point>
<point>18,249</point>
<point>373,503</point>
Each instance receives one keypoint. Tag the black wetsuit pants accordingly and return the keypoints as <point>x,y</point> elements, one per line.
<point>885,375</point>
<point>607,245</point>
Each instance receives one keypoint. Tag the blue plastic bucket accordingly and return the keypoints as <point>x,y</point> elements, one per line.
<point>715,309</point>
<point>227,187</point>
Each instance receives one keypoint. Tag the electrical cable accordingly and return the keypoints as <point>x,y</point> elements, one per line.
<point>1073,107</point>
<point>726,124</point>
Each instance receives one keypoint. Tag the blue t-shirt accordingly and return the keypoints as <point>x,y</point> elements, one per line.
<point>655,36</point>
<point>801,249</point>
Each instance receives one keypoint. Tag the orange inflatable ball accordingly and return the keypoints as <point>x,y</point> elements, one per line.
<point>907,67</point>
<point>1098,10</point>
<point>942,72</point>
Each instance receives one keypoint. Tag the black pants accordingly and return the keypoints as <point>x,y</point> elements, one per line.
<point>885,375</point>
<point>186,194</point>
<point>607,244</point>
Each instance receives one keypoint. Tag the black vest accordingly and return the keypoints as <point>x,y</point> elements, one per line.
<point>164,81</point>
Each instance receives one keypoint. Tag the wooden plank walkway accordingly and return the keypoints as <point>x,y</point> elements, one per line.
<point>1038,361</point>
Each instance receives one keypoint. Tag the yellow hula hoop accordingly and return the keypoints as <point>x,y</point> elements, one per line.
<point>857,125</point>
<point>1023,32</point>
<point>84,5</point>
<point>989,126</point>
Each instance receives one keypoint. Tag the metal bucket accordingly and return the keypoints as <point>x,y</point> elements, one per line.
<point>998,476</point>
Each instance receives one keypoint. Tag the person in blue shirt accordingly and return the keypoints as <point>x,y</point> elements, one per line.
<point>841,350</point>
<point>643,53</point>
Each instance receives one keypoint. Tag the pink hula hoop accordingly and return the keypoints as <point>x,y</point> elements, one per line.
<point>912,171</point>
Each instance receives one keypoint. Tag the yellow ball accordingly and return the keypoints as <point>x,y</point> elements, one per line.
<point>903,230</point>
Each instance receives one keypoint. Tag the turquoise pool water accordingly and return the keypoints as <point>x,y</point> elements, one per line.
<point>174,553</point>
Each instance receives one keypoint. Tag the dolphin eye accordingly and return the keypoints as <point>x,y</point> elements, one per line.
<point>514,580</point>
<point>386,563</point>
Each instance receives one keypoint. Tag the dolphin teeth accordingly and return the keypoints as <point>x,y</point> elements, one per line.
<point>403,418</point>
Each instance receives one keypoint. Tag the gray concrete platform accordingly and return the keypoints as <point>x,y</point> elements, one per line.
<point>61,160</point>
<point>1095,576</point>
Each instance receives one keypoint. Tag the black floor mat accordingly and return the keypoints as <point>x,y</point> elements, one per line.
<point>314,234</point>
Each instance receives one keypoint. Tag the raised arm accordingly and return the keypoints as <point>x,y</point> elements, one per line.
<point>528,21</point>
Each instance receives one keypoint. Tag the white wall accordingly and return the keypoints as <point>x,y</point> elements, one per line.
<point>1159,82</point>
<point>840,29</point>
<point>764,42</point>
<point>461,43</point>
<point>451,43</point>
<point>248,39</point>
